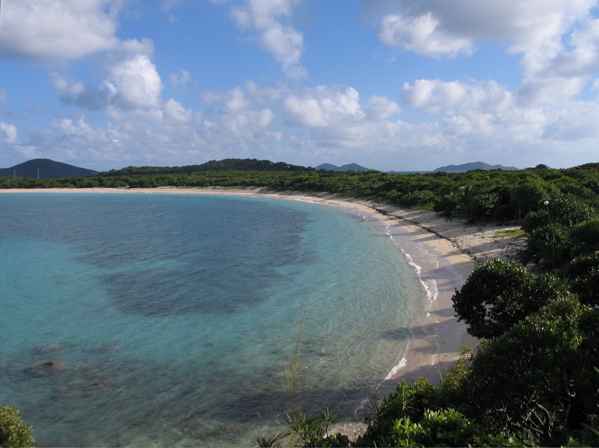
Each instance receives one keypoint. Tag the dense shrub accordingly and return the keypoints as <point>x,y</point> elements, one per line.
<point>13,431</point>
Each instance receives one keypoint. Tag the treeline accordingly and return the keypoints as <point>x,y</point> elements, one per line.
<point>474,196</point>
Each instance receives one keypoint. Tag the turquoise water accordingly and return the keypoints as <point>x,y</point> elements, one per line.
<point>172,320</point>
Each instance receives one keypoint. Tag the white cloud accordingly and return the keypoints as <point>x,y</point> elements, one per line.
<point>135,82</point>
<point>557,40</point>
<point>577,123</point>
<point>181,78</point>
<point>57,29</point>
<point>174,112</point>
<point>280,39</point>
<point>432,95</point>
<point>240,123</point>
<point>322,107</point>
<point>130,83</point>
<point>381,108</point>
<point>421,34</point>
<point>539,91</point>
<point>439,27</point>
<point>235,101</point>
<point>8,133</point>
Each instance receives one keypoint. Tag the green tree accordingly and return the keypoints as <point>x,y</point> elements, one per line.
<point>446,427</point>
<point>498,294</point>
<point>585,238</point>
<point>549,230</point>
<point>14,432</point>
<point>539,375</point>
<point>583,275</point>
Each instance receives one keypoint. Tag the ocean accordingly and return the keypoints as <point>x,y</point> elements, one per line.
<point>193,320</point>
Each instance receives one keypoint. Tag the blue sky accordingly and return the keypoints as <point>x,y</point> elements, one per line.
<point>389,84</point>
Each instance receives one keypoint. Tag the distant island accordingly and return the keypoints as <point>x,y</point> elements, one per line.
<point>50,169</point>
<point>46,169</point>
<point>465,167</point>
<point>348,167</point>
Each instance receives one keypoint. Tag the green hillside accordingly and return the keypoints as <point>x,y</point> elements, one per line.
<point>46,169</point>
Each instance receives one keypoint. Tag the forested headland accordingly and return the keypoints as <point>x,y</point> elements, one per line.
<point>534,378</point>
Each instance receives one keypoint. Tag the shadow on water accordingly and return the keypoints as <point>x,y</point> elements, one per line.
<point>143,401</point>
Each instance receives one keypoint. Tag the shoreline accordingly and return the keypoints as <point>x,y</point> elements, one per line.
<point>444,253</point>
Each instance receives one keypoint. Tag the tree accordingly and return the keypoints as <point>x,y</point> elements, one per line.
<point>583,275</point>
<point>13,431</point>
<point>498,294</point>
<point>539,375</point>
<point>446,427</point>
<point>550,230</point>
<point>585,237</point>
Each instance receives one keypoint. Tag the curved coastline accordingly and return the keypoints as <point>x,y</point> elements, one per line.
<point>444,254</point>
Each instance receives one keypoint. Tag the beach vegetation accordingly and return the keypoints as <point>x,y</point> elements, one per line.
<point>499,294</point>
<point>510,233</point>
<point>583,276</point>
<point>14,432</point>
<point>307,430</point>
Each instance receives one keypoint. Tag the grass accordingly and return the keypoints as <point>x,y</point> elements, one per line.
<point>510,233</point>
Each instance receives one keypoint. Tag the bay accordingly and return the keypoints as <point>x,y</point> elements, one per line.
<point>173,320</point>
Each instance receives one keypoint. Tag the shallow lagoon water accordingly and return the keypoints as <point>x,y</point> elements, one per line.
<point>176,317</point>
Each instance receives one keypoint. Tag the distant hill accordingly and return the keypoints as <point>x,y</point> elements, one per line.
<point>349,167</point>
<point>46,169</point>
<point>213,165</point>
<point>474,166</point>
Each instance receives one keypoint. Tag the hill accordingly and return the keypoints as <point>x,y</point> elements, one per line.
<point>349,167</point>
<point>46,169</point>
<point>212,165</point>
<point>473,166</point>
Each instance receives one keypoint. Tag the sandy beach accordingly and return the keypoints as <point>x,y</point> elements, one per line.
<point>445,253</point>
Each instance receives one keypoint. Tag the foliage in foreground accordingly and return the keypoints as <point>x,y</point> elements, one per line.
<point>532,381</point>
<point>13,431</point>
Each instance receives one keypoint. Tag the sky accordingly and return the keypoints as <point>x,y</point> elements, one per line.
<point>403,85</point>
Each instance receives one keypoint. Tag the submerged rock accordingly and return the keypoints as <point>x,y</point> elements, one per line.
<point>44,369</point>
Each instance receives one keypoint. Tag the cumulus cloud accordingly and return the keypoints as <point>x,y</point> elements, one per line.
<point>130,83</point>
<point>381,108</point>
<point>174,112</point>
<point>421,34</point>
<point>135,82</point>
<point>557,40</point>
<point>438,27</point>
<point>432,95</point>
<point>322,107</point>
<point>239,118</point>
<point>8,133</point>
<point>280,39</point>
<point>539,91</point>
<point>577,123</point>
<point>57,29</point>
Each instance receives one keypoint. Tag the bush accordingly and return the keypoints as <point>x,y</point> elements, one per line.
<point>498,295</point>
<point>13,431</point>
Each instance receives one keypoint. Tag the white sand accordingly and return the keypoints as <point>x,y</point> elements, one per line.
<point>447,252</point>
